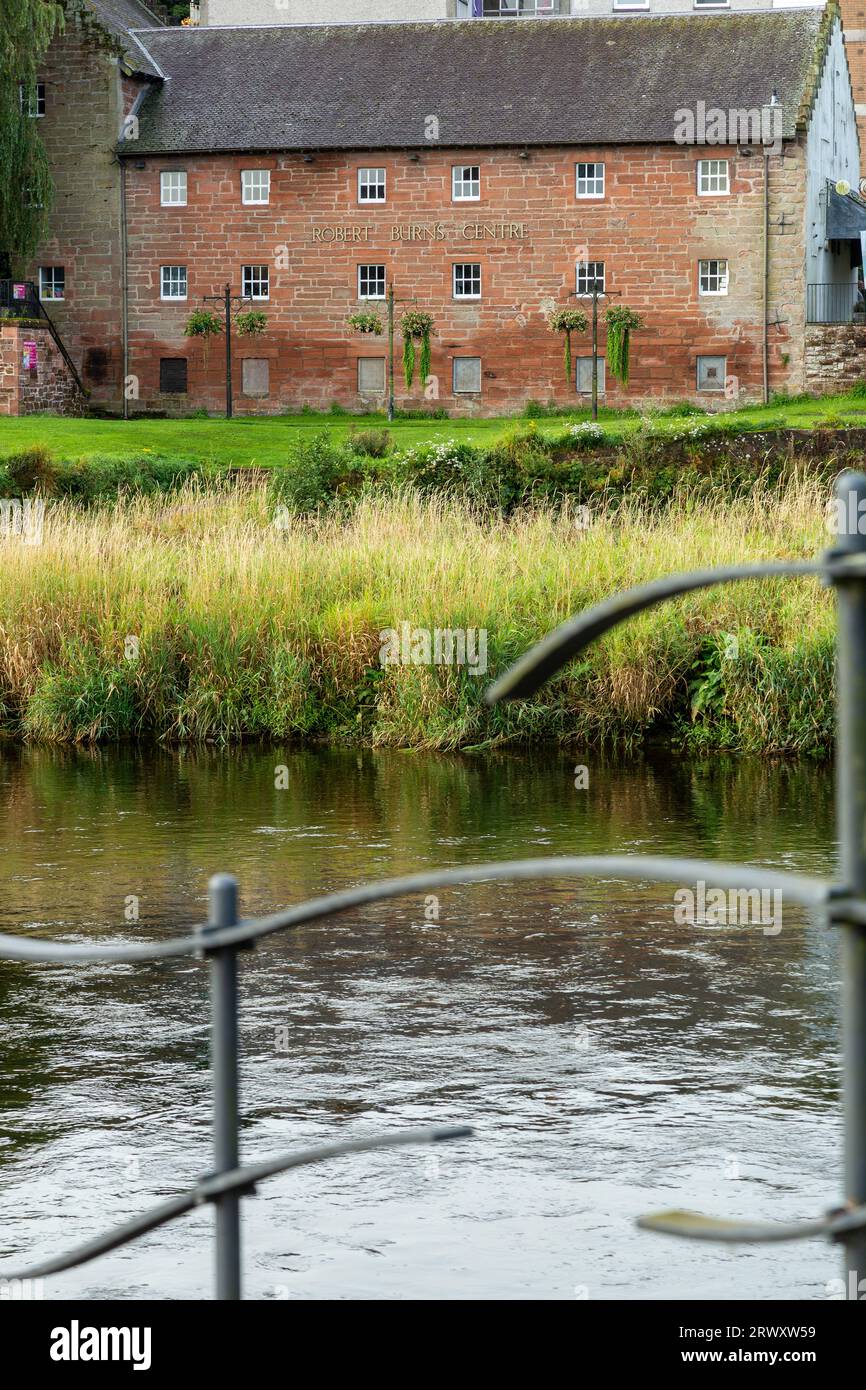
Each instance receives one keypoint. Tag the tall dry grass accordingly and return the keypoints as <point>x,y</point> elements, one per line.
<point>241,628</point>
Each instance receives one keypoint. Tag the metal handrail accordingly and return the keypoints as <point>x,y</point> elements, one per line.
<point>35,309</point>
<point>841,903</point>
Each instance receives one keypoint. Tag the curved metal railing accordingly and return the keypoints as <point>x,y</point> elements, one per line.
<point>842,903</point>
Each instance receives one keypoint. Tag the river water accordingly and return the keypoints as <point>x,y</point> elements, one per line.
<point>611,1061</point>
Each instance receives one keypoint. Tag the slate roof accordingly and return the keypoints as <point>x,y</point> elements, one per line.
<point>120,18</point>
<point>540,82</point>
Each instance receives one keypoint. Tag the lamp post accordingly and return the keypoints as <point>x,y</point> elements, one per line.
<point>227,300</point>
<point>597,292</point>
<point>392,301</point>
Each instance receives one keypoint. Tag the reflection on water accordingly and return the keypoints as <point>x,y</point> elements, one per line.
<point>611,1061</point>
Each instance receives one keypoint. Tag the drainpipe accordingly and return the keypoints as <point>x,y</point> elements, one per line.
<point>124,286</point>
<point>765,350</point>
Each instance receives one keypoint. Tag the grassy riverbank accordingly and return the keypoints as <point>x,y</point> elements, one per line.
<point>264,441</point>
<point>194,617</point>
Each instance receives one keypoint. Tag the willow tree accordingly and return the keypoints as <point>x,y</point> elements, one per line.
<point>26,29</point>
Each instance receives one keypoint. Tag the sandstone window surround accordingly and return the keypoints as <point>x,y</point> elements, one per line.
<point>466,376</point>
<point>371,376</point>
<point>172,188</point>
<point>583,379</point>
<point>713,177</point>
<point>466,183</point>
<point>372,185</point>
<point>712,373</point>
<point>173,376</point>
<point>173,282</point>
<point>256,280</point>
<point>371,282</point>
<point>52,282</point>
<point>467,280</point>
<point>587,274</point>
<point>255,187</point>
<point>589,181</point>
<point>712,277</point>
<point>255,376</point>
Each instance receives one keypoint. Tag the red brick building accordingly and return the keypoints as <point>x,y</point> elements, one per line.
<point>488,173</point>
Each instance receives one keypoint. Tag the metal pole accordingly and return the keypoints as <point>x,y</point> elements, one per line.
<point>765,277</point>
<point>391,353</point>
<point>851,823</point>
<point>223,912</point>
<point>228,304</point>
<point>595,349</point>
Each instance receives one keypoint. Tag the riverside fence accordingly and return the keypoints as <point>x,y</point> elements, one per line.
<point>841,904</point>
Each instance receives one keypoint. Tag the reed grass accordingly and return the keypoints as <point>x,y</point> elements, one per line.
<point>247,629</point>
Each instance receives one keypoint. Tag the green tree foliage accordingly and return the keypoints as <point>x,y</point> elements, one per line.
<point>26,29</point>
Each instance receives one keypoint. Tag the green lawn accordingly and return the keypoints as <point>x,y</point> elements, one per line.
<point>262,441</point>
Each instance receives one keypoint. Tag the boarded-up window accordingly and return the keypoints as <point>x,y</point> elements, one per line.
<point>467,375</point>
<point>711,373</point>
<point>172,375</point>
<point>584,376</point>
<point>96,364</point>
<point>256,376</point>
<point>371,376</point>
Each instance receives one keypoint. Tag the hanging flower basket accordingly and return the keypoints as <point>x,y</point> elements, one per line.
<point>204,324</point>
<point>365,323</point>
<point>621,323</point>
<point>416,324</point>
<point>251,323</point>
<point>567,321</point>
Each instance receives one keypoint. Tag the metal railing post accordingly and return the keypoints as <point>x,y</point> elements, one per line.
<point>223,912</point>
<point>851,824</point>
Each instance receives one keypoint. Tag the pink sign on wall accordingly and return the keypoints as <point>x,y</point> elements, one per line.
<point>30,357</point>
<point>19,291</point>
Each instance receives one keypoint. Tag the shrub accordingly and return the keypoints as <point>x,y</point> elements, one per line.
<point>372,443</point>
<point>34,470</point>
<point>309,478</point>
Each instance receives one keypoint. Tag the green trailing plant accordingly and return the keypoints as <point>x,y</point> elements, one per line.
<point>365,323</point>
<point>251,323</point>
<point>567,321</point>
<point>204,324</point>
<point>26,29</point>
<point>416,324</point>
<point>621,323</point>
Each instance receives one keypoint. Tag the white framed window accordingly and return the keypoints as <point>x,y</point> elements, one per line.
<point>173,282</point>
<point>371,376</point>
<point>712,4</point>
<point>712,277</point>
<point>466,378</point>
<point>172,188</point>
<point>52,282</point>
<point>713,177</point>
<point>32,103</point>
<point>467,281</point>
<point>372,186</point>
<point>590,180</point>
<point>371,282</point>
<point>255,186</point>
<point>588,272</point>
<point>583,379</point>
<point>631,4</point>
<point>256,281</point>
<point>712,373</point>
<point>466,183</point>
